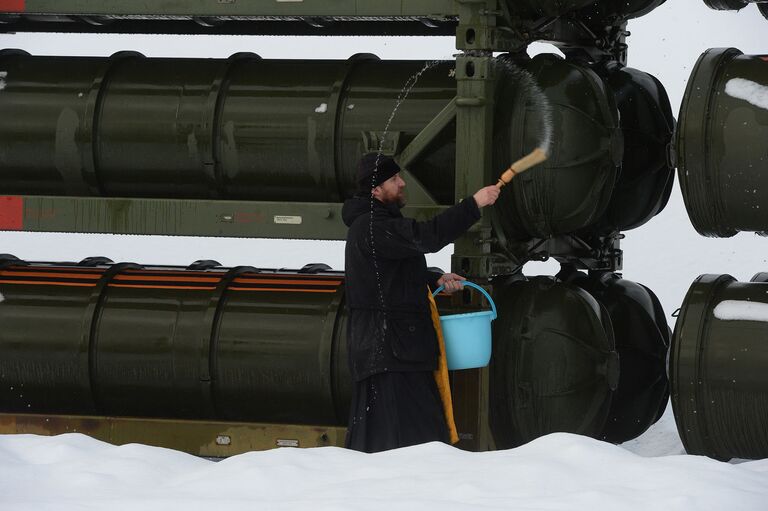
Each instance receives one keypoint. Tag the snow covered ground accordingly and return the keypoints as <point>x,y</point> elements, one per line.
<point>556,472</point>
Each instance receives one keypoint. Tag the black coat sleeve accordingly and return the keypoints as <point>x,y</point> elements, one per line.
<point>397,238</point>
<point>432,277</point>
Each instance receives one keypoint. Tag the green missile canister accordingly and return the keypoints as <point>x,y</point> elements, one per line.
<point>243,344</point>
<point>645,183</point>
<point>573,187</point>
<point>554,365</point>
<point>717,368</point>
<point>642,342</point>
<point>721,143</point>
<point>247,128</point>
<point>130,341</point>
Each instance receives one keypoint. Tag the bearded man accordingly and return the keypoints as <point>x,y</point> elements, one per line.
<point>393,347</point>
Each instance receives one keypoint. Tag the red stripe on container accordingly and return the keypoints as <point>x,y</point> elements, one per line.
<point>12,5</point>
<point>246,280</point>
<point>169,278</point>
<point>149,286</point>
<point>282,289</point>
<point>11,212</point>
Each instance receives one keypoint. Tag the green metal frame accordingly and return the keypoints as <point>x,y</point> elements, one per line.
<point>202,438</point>
<point>471,110</point>
<point>474,127</point>
<point>425,8</point>
<point>219,439</point>
<point>476,254</point>
<point>188,217</point>
<point>478,35</point>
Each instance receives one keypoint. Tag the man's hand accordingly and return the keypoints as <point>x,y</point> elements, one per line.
<point>451,281</point>
<point>486,196</point>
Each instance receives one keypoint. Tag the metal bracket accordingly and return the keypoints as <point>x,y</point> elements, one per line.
<point>428,134</point>
<point>387,142</point>
<point>188,217</point>
<point>417,192</point>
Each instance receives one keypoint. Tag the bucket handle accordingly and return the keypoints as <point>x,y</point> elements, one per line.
<point>472,284</point>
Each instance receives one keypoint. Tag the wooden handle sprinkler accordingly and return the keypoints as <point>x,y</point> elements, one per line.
<point>526,162</point>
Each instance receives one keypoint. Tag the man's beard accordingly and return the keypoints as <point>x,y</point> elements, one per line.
<point>397,199</point>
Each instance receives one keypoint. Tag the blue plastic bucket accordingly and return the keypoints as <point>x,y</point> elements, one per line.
<point>468,336</point>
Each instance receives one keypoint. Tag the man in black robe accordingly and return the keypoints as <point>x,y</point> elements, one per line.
<point>392,343</point>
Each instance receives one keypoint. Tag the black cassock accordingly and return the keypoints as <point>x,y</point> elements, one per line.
<point>392,344</point>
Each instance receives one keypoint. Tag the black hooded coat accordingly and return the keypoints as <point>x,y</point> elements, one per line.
<point>390,326</point>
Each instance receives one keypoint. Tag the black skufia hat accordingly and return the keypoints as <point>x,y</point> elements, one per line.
<point>371,175</point>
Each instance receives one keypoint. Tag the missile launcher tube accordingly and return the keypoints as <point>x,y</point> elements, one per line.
<point>417,17</point>
<point>228,344</point>
<point>245,128</point>
<point>721,143</point>
<point>242,128</point>
<point>554,365</point>
<point>577,353</point>
<point>243,344</point>
<point>717,364</point>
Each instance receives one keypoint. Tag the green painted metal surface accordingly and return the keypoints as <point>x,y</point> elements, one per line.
<point>554,365</point>
<point>238,129</point>
<point>356,8</point>
<point>243,8</point>
<point>717,368</point>
<point>219,344</point>
<point>642,342</point>
<point>722,159</point>
<point>645,182</point>
<point>572,189</point>
<point>241,344</point>
<point>240,219</point>
<point>277,143</point>
<point>503,25</point>
<point>117,345</point>
<point>475,110</point>
<point>201,438</point>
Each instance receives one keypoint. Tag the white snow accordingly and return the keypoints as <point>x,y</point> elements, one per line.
<point>322,108</point>
<point>730,310</point>
<point>3,76</point>
<point>749,91</point>
<point>556,472</point>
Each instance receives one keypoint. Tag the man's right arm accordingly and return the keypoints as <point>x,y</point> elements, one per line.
<point>405,237</point>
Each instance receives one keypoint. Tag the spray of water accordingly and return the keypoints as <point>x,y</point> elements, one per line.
<point>382,325</point>
<point>534,97</point>
<point>404,92</point>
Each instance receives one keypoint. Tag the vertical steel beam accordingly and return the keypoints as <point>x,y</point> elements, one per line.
<point>474,126</point>
<point>475,79</point>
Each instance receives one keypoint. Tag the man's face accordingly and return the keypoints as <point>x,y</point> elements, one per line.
<point>391,191</point>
